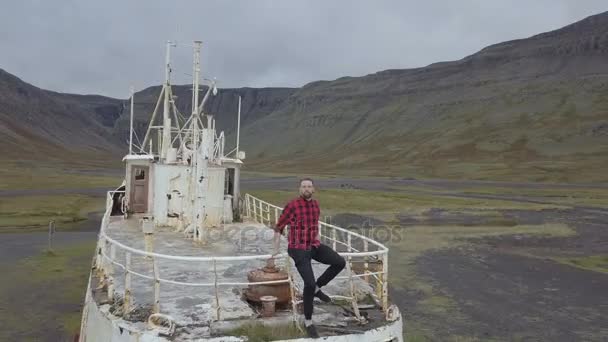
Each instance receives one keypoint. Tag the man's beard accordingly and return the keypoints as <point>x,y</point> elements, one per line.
<point>307,195</point>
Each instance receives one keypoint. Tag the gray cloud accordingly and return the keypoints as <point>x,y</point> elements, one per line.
<point>103,47</point>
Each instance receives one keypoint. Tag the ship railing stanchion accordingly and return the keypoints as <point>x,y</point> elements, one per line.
<point>350,279</point>
<point>111,272</point>
<point>365,261</point>
<point>156,307</point>
<point>105,264</point>
<point>127,299</point>
<point>268,212</point>
<point>261,213</point>
<point>99,258</point>
<point>334,237</point>
<point>255,214</point>
<point>248,205</point>
<point>321,232</point>
<point>217,296</point>
<point>276,215</point>
<point>385,282</point>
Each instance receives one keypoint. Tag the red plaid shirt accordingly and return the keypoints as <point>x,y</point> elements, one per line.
<point>302,216</point>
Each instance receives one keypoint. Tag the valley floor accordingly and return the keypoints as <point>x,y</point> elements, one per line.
<point>479,261</point>
<point>469,260</point>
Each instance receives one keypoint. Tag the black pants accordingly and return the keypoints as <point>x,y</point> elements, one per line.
<point>324,255</point>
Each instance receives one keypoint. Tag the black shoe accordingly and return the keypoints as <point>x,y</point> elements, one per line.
<point>322,296</point>
<point>312,331</point>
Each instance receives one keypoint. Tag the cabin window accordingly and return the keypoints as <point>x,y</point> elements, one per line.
<point>140,174</point>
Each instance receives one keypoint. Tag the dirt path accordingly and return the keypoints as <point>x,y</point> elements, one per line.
<point>512,297</point>
<point>510,288</point>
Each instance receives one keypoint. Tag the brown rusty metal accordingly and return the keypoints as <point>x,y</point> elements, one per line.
<point>268,305</point>
<point>268,273</point>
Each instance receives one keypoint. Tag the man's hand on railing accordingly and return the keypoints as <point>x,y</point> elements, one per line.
<point>276,229</point>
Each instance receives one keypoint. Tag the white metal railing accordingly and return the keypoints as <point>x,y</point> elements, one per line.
<point>106,260</point>
<point>267,213</point>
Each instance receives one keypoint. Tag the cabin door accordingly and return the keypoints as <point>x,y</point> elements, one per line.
<point>139,188</point>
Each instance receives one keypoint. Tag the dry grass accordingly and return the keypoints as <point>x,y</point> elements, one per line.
<point>15,177</point>
<point>35,211</point>
<point>41,284</point>
<point>386,205</point>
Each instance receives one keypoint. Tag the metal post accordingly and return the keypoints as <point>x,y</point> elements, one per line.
<point>350,280</point>
<point>156,307</point>
<point>127,299</point>
<point>238,129</point>
<point>248,205</point>
<point>99,257</point>
<point>104,261</point>
<point>365,263</point>
<point>111,273</point>
<point>196,72</point>
<point>268,212</point>
<point>348,243</point>
<point>276,215</point>
<point>385,282</point>
<point>147,136</point>
<point>261,212</point>
<point>321,232</point>
<point>334,236</point>
<point>159,142</point>
<point>148,243</point>
<point>131,122</point>
<point>51,233</point>
<point>217,297</point>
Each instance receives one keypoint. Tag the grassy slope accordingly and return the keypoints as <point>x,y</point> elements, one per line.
<point>539,132</point>
<point>532,109</point>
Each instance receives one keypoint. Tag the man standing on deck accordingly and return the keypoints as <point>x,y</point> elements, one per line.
<point>302,216</point>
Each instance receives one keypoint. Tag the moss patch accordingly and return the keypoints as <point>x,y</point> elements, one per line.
<point>256,332</point>
<point>596,263</point>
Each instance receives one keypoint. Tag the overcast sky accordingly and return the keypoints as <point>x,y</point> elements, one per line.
<point>104,46</point>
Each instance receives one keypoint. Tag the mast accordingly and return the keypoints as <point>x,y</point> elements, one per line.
<point>196,77</point>
<point>238,128</point>
<point>131,123</point>
<point>166,136</point>
<point>199,164</point>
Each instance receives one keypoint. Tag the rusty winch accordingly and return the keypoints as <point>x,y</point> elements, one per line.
<point>268,273</point>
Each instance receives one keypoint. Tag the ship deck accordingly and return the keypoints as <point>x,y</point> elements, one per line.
<point>194,308</point>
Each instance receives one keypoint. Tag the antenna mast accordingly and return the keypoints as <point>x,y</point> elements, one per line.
<point>166,144</point>
<point>131,122</point>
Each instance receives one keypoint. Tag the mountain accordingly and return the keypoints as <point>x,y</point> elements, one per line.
<point>527,109</point>
<point>534,108</point>
<point>42,125</point>
<point>37,124</point>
